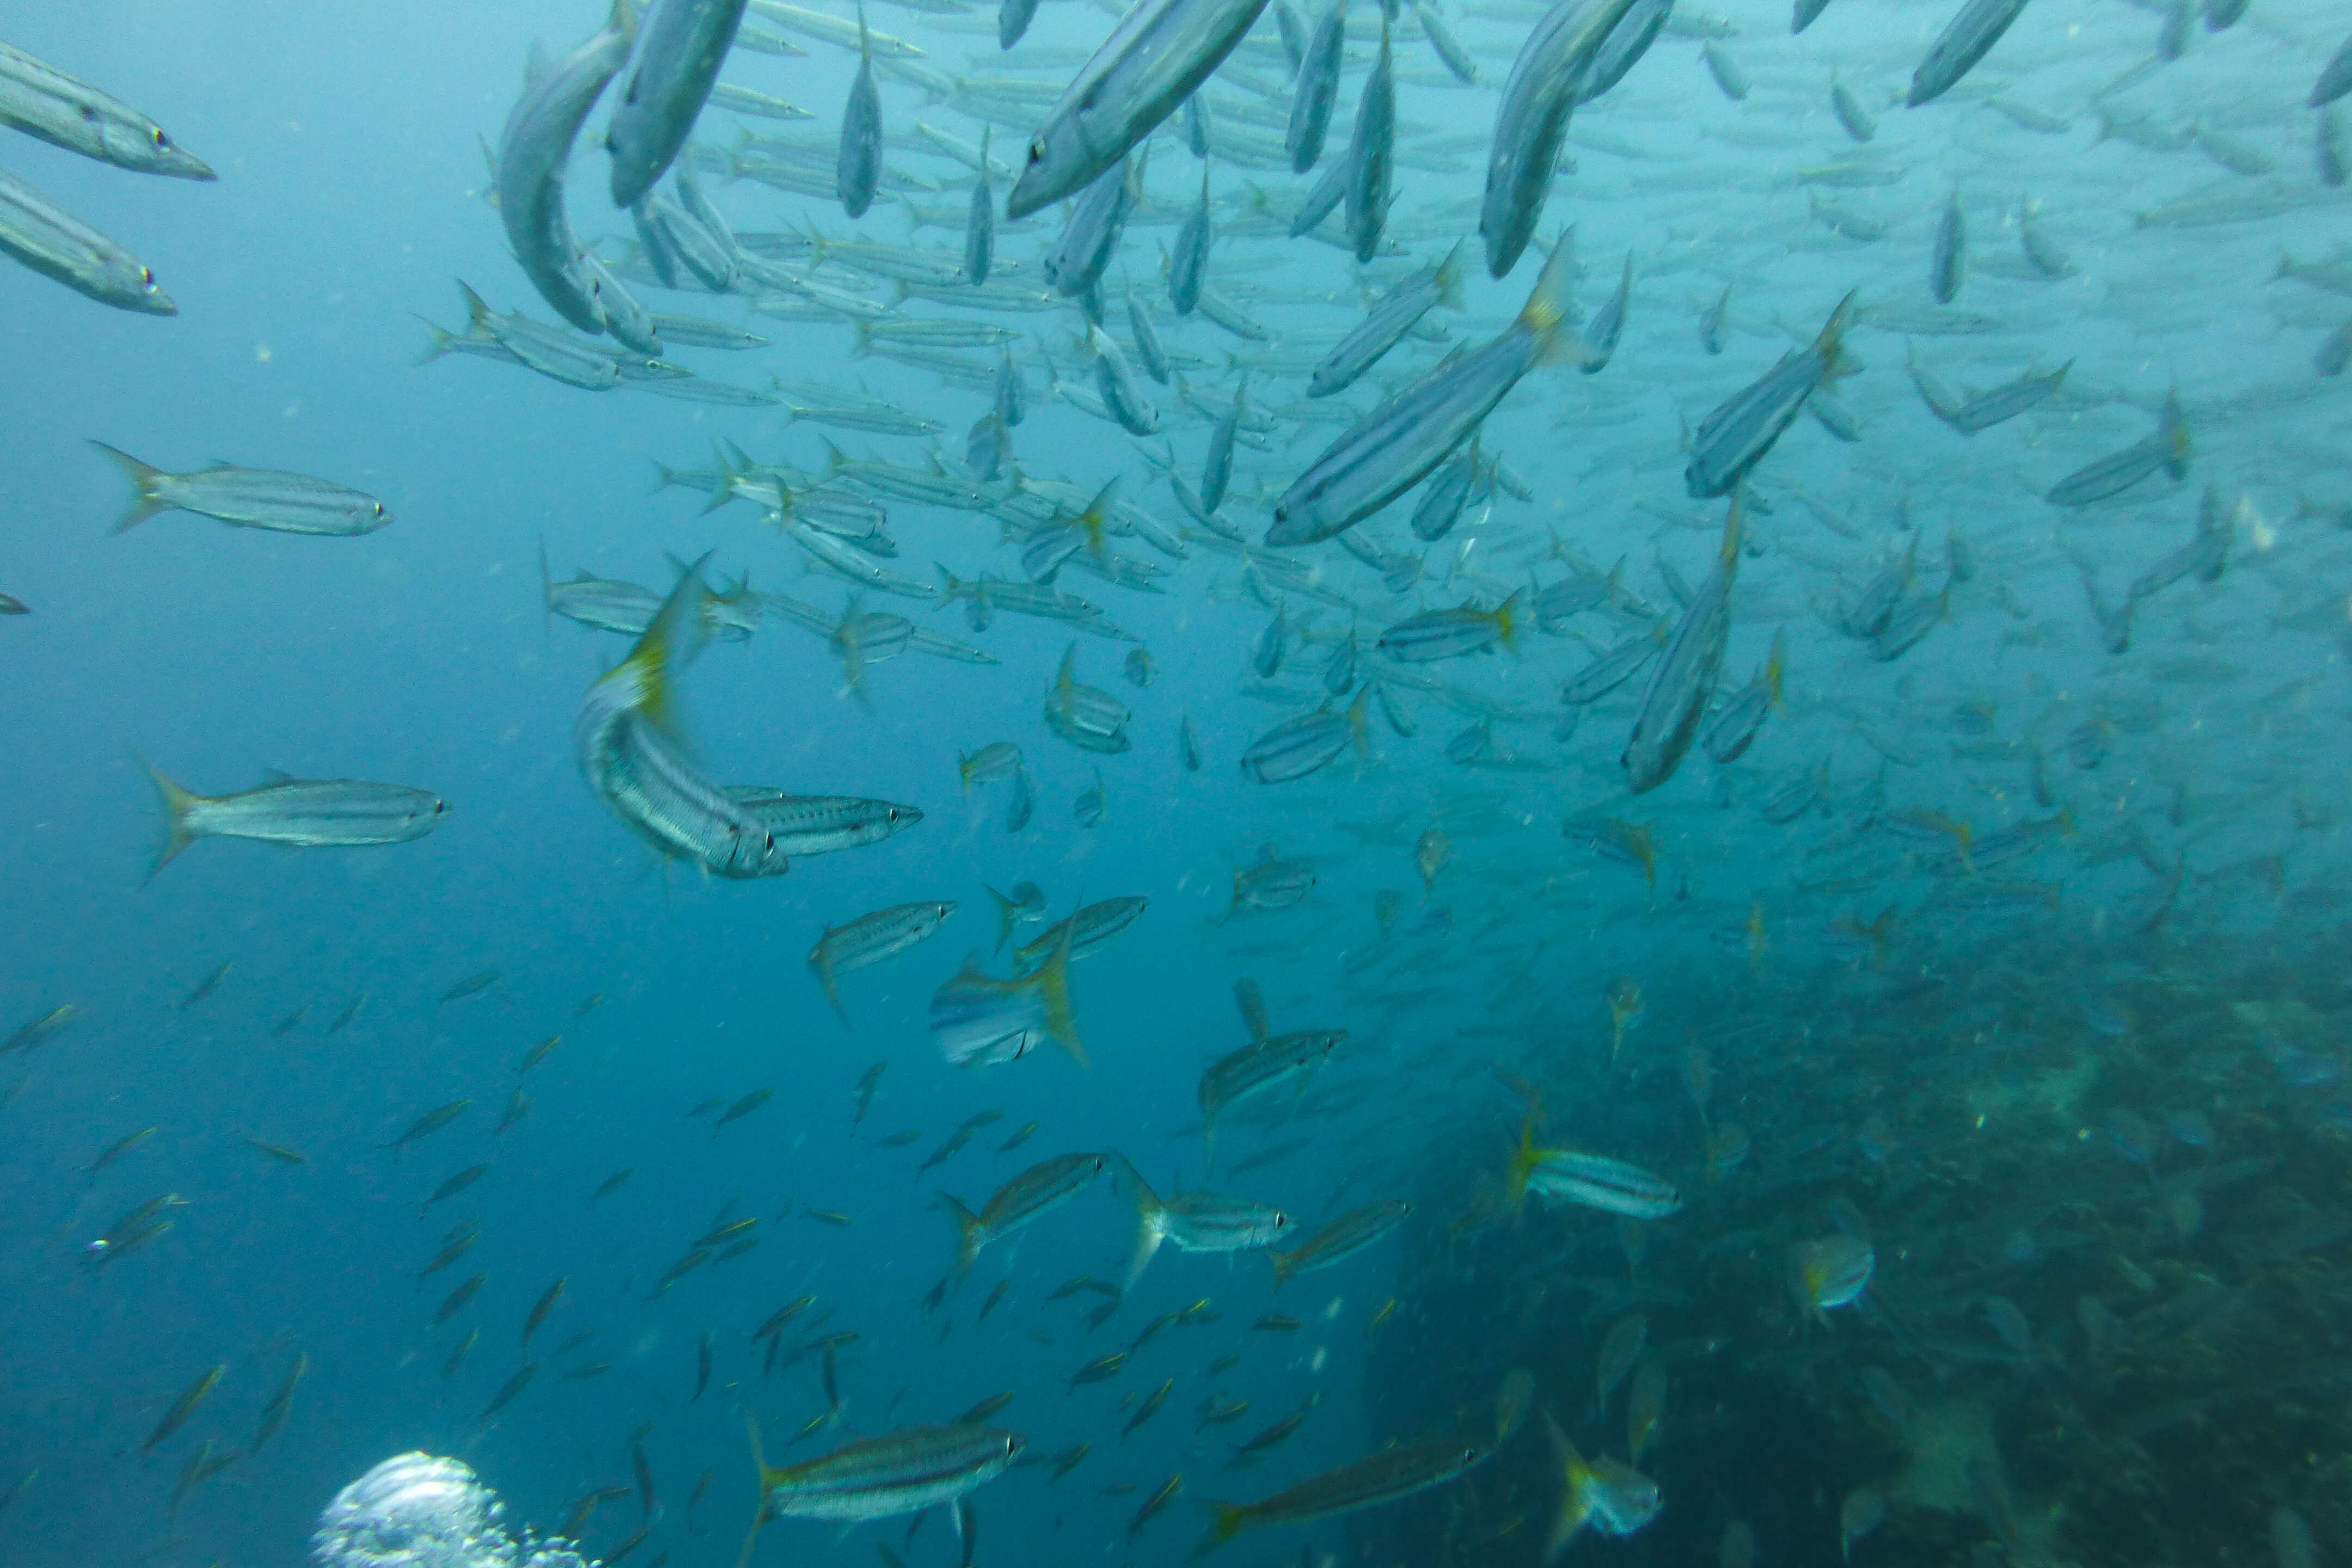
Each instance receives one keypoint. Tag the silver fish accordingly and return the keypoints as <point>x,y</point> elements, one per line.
<point>1159,54</point>
<point>1393,448</point>
<point>1622,49</point>
<point>872,938</point>
<point>249,497</point>
<point>821,824</point>
<point>858,169</point>
<point>303,814</point>
<point>1533,117</point>
<point>2165,448</point>
<point>980,224</point>
<point>1297,747</point>
<point>1195,1222</point>
<point>1318,89</point>
<point>37,233</point>
<point>533,149</point>
<point>1371,155</point>
<point>1077,261</point>
<point>680,45</point>
<point>1188,265</point>
<point>41,100</point>
<point>1385,324</point>
<point>1684,682</point>
<point>1948,263</point>
<point>624,739</point>
<point>1963,42</point>
<point>1733,438</point>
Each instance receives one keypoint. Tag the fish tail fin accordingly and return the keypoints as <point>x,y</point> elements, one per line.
<point>968,1235</point>
<point>1571,1515</point>
<point>1008,914</point>
<point>724,490</point>
<point>1549,304</point>
<point>861,341</point>
<point>642,680</point>
<point>145,500</point>
<point>176,801</point>
<point>1507,620</point>
<point>1150,1223</point>
<point>1053,982</point>
<point>440,344</point>
<point>760,1509</point>
<point>1735,529</point>
<point>1830,344</point>
<point>1775,667</point>
<point>1091,520</point>
<point>546,588</point>
<point>822,959</point>
<point>2175,430</point>
<point>1286,1264</point>
<point>478,310</point>
<point>1449,278</point>
<point>1524,1157</point>
<point>1226,1520</point>
<point>1360,727</point>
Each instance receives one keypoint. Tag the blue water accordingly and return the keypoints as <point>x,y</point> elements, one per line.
<point>347,143</point>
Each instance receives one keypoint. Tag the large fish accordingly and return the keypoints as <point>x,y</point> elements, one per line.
<point>41,100</point>
<point>681,45</point>
<point>1533,118</point>
<point>39,234</point>
<point>533,149</point>
<point>1684,682</point>
<point>1159,52</point>
<point>1393,448</point>
<point>249,497</point>
<point>627,740</point>
<point>301,813</point>
<point>1735,435</point>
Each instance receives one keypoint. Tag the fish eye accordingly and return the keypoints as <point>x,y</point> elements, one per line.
<point>1036,149</point>
<point>147,277</point>
<point>162,140</point>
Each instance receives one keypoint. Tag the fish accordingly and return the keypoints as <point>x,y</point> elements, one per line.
<point>1318,89</point>
<point>981,1021</point>
<point>1965,39</point>
<point>626,741</point>
<point>247,498</point>
<point>35,232</point>
<point>680,45</point>
<point>1309,742</point>
<point>1593,1181</point>
<point>1734,437</point>
<point>1682,681</point>
<point>1155,58</point>
<point>1392,449</point>
<point>281,1404</point>
<point>1195,1222</point>
<point>857,171</point>
<point>1613,1498</point>
<point>1035,1192</point>
<point>1830,1273</point>
<point>1342,1238</point>
<point>1158,1500</point>
<point>1150,1407</point>
<point>2165,448</point>
<point>1532,117</point>
<point>431,1121</point>
<point>1268,1063</point>
<point>1371,154</point>
<point>455,1185</point>
<point>901,1471</point>
<point>1386,1476</point>
<point>66,111</point>
<point>541,1309</point>
<point>534,146</point>
<point>301,813</point>
<point>508,1390</point>
<point>176,1415</point>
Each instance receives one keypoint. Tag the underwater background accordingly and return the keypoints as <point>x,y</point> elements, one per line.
<point>2081,1098</point>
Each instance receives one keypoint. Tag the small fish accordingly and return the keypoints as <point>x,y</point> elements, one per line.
<point>457,1298</point>
<point>1830,1273</point>
<point>455,1185</point>
<point>431,1121</point>
<point>1614,1498</point>
<point>508,1389</point>
<point>538,1312</point>
<point>119,1147</point>
<point>205,987</point>
<point>1383,1477</point>
<point>1157,1501</point>
<point>613,1183</point>
<point>742,1108</point>
<point>183,1407</point>
<point>277,1152</point>
<point>281,1404</point>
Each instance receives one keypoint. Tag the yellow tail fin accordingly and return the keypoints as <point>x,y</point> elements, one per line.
<point>145,500</point>
<point>176,801</point>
